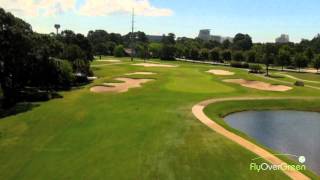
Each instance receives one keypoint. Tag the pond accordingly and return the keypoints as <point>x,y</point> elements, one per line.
<point>289,132</point>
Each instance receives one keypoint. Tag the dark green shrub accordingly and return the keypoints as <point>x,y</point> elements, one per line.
<point>238,64</point>
<point>299,83</point>
<point>255,68</point>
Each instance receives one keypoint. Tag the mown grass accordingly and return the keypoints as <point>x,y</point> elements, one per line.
<point>146,133</point>
<point>218,111</point>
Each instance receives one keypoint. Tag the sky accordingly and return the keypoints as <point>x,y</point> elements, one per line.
<point>263,20</point>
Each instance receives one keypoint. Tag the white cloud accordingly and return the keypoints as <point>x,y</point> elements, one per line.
<point>89,8</point>
<point>108,7</point>
<point>38,7</point>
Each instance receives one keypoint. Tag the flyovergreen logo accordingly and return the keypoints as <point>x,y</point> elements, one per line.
<point>281,167</point>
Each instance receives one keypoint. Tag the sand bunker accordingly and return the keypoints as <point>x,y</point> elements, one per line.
<point>154,65</point>
<point>141,73</point>
<point>259,85</point>
<point>121,87</point>
<point>220,72</point>
<point>109,60</point>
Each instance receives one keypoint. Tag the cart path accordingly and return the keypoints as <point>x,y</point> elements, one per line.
<point>197,110</point>
<point>295,78</point>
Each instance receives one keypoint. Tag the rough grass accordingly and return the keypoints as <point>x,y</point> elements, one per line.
<point>146,133</point>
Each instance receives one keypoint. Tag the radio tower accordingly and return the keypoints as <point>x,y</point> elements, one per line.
<point>132,35</point>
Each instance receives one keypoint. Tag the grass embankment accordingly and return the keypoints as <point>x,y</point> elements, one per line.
<point>218,111</point>
<point>146,133</point>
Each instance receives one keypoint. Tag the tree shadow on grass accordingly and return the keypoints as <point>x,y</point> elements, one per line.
<point>276,76</point>
<point>27,101</point>
<point>17,109</point>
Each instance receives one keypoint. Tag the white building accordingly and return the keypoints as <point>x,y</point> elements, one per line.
<point>205,35</point>
<point>284,38</point>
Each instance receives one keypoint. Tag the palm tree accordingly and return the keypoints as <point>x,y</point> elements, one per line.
<point>57,26</point>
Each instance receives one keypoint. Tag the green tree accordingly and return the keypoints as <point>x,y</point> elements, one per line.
<point>15,48</point>
<point>143,50</point>
<point>284,58</point>
<point>155,49</point>
<point>238,56</point>
<point>100,49</point>
<point>72,52</point>
<point>251,56</point>
<point>268,59</point>
<point>316,62</point>
<point>226,55</point>
<point>204,54</point>
<point>110,45</point>
<point>215,55</point>
<point>119,51</point>
<point>98,40</point>
<point>169,39</point>
<point>226,44</point>
<point>270,53</point>
<point>76,47</point>
<point>26,58</point>
<point>242,42</point>
<point>300,61</point>
<point>168,49</point>
<point>168,52</point>
<point>194,53</point>
<point>309,54</point>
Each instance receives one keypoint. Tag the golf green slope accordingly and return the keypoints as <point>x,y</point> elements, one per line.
<point>145,133</point>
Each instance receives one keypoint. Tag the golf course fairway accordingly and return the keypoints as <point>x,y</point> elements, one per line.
<point>148,132</point>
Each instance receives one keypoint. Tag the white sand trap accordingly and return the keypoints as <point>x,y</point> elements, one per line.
<point>154,65</point>
<point>259,85</point>
<point>141,73</point>
<point>220,72</point>
<point>121,87</point>
<point>109,60</point>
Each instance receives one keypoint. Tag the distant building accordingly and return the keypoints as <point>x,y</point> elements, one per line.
<point>205,35</point>
<point>154,38</point>
<point>230,39</point>
<point>216,38</point>
<point>284,38</point>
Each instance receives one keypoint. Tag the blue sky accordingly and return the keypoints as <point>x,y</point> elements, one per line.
<point>264,20</point>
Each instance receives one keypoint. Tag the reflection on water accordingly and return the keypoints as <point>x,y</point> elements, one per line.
<point>293,132</point>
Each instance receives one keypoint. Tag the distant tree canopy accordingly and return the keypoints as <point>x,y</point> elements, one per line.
<point>119,51</point>
<point>316,62</point>
<point>215,55</point>
<point>168,48</point>
<point>55,61</point>
<point>38,61</point>
<point>300,61</point>
<point>242,42</point>
<point>103,43</point>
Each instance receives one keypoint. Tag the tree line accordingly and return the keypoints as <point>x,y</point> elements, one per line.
<point>240,50</point>
<point>39,64</point>
<point>33,62</point>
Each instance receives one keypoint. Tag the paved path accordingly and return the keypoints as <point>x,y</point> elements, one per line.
<point>286,82</point>
<point>107,64</point>
<point>197,110</point>
<point>295,78</point>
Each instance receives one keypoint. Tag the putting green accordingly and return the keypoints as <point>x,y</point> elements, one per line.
<point>195,81</point>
